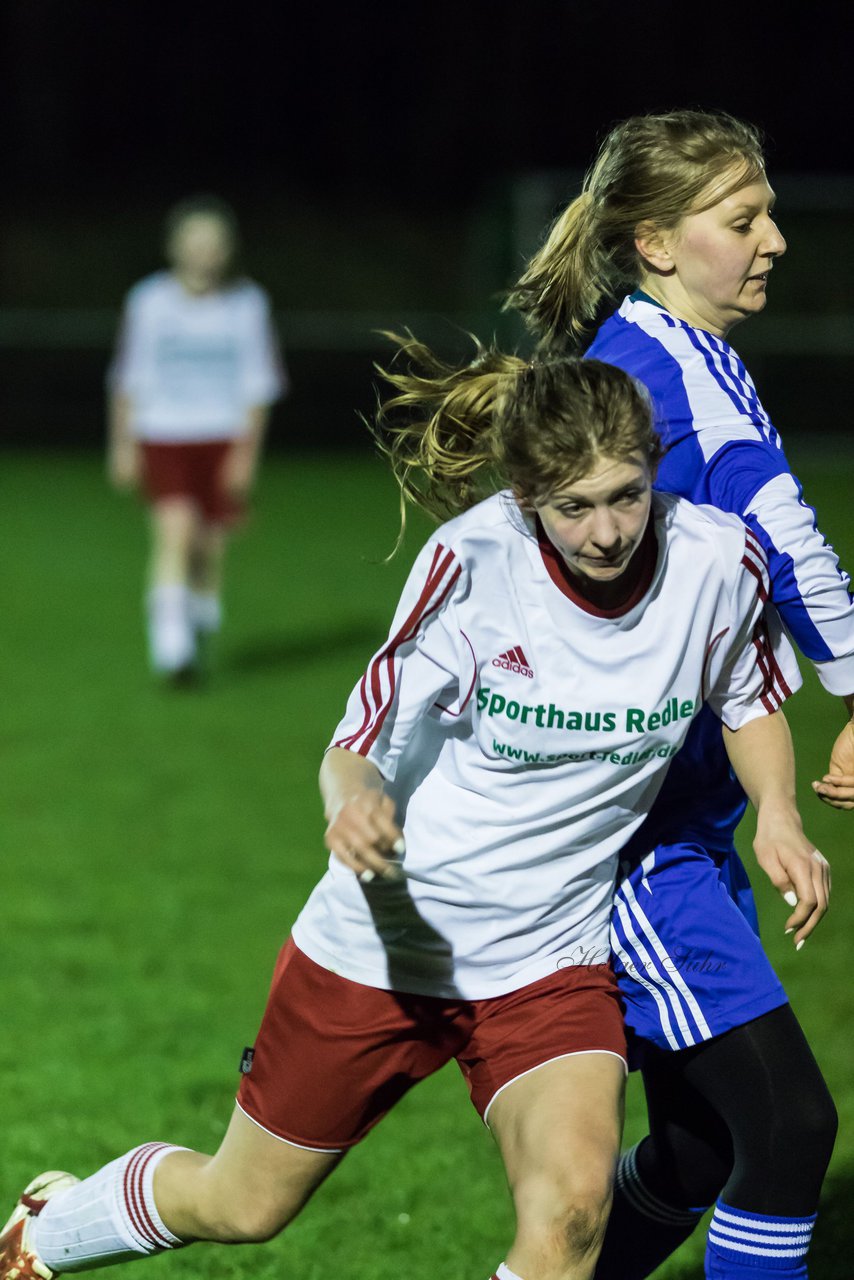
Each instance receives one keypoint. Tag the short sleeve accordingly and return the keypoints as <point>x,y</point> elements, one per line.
<point>751,667</point>
<point>419,662</point>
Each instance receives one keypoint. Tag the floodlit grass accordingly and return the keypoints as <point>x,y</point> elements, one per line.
<point>158,844</point>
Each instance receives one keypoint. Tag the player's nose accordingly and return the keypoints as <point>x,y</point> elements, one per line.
<point>604,531</point>
<point>773,244</point>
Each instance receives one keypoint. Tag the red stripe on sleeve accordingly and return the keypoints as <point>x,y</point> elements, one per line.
<point>756,571</point>
<point>779,678</point>
<point>770,696</point>
<point>704,683</point>
<point>775,681</point>
<point>381,716</point>
<point>364,683</point>
<point>376,706</point>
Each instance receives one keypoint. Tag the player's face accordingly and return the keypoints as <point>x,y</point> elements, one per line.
<point>201,250</point>
<point>716,263</point>
<point>597,522</point>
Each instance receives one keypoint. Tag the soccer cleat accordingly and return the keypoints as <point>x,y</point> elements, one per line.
<point>18,1261</point>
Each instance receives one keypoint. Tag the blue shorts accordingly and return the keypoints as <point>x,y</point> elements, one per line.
<point>686,950</point>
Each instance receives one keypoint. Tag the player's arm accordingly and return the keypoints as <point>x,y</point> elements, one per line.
<point>123,457</point>
<point>418,663</point>
<point>242,462</point>
<point>808,587</point>
<point>123,449</point>
<point>762,756</point>
<point>362,830</point>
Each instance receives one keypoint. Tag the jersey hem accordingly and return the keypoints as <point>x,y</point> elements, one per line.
<point>419,985</point>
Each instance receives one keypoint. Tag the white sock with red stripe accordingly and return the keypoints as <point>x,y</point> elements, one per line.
<point>108,1217</point>
<point>504,1273</point>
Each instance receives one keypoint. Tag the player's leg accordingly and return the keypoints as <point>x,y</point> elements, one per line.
<point>220,509</point>
<point>289,1131</point>
<point>558,1129</point>
<point>174,526</point>
<point>665,1182</point>
<point>545,1066</point>
<point>158,1197</point>
<point>205,578</point>
<point>764,1082</point>
<point>693,975</point>
<point>252,1188</point>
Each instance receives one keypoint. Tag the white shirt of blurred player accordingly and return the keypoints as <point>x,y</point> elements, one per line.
<point>192,365</point>
<point>524,736</point>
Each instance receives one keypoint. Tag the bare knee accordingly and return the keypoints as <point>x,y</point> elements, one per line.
<point>584,1227</point>
<point>563,1221</point>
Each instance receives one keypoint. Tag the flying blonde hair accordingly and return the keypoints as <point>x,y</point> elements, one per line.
<point>454,434</point>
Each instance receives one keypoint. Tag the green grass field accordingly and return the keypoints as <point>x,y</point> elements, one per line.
<point>158,844</point>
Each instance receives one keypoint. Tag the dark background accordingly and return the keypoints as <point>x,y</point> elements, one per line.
<point>389,163</point>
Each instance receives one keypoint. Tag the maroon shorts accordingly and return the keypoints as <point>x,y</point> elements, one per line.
<point>192,471</point>
<point>333,1056</point>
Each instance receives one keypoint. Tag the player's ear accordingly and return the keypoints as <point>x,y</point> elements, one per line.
<point>523,501</point>
<point>653,245</point>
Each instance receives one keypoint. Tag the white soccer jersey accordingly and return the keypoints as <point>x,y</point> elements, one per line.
<point>193,365</point>
<point>524,735</point>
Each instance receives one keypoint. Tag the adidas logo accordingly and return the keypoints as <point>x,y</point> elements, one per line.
<point>514,660</point>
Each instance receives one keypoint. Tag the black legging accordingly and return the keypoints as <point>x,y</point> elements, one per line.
<point>745,1116</point>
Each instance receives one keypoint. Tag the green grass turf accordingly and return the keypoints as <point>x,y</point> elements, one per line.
<point>157,845</point>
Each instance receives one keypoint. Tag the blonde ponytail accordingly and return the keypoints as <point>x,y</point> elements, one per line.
<point>559,292</point>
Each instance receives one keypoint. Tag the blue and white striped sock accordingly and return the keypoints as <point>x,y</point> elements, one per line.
<point>747,1246</point>
<point>642,1230</point>
<point>629,1182</point>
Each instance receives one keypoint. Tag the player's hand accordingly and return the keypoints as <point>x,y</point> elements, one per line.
<point>124,465</point>
<point>836,788</point>
<point>364,835</point>
<point>796,869</point>
<point>238,470</point>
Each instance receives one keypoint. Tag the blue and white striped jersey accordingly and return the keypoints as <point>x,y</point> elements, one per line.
<point>722,449</point>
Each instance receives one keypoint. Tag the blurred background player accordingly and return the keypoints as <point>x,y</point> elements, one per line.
<point>677,209</point>
<point>473,839</point>
<point>196,370</point>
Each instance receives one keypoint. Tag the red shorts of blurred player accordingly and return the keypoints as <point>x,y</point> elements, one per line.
<point>193,471</point>
<point>334,1056</point>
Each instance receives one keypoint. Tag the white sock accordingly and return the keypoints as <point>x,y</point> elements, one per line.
<point>205,612</point>
<point>172,644</point>
<point>504,1273</point>
<point>110,1216</point>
